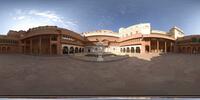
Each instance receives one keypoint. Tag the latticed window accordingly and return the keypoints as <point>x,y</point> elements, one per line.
<point>54,38</point>
<point>194,40</point>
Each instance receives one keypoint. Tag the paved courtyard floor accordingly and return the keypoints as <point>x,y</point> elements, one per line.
<point>167,74</point>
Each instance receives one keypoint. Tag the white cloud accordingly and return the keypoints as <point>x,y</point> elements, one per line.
<point>25,19</point>
<point>19,18</point>
<point>47,14</point>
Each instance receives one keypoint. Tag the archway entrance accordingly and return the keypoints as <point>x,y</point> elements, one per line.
<point>8,49</point>
<point>3,49</point>
<point>188,50</point>
<point>79,50</point>
<point>147,48</point>
<point>76,50</point>
<point>65,50</point>
<point>199,49</point>
<point>71,50</point>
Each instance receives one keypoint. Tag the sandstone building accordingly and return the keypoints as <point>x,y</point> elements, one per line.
<point>140,38</point>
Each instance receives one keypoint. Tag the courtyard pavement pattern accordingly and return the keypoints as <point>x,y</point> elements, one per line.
<point>167,74</point>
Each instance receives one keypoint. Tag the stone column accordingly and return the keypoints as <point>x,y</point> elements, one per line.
<point>150,45</point>
<point>6,49</point>
<point>171,47</point>
<point>59,48</point>
<point>50,52</point>
<point>24,46</point>
<point>157,46</point>
<point>31,44</point>
<point>165,46</point>
<point>40,45</point>
<point>142,49</point>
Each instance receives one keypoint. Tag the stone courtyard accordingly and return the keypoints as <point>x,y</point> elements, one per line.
<point>146,74</point>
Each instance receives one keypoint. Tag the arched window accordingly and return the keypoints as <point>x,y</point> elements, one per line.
<point>124,50</point>
<point>194,40</point>
<point>137,49</point>
<point>121,50</point>
<point>127,50</point>
<point>53,37</point>
<point>132,50</point>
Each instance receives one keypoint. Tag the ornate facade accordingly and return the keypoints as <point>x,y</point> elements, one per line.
<point>140,38</point>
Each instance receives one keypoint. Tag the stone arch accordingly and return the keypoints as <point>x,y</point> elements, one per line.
<point>3,49</point>
<point>183,50</point>
<point>8,49</point>
<point>76,49</point>
<point>71,50</point>
<point>96,49</point>
<point>124,50</point>
<point>65,50</point>
<point>179,49</point>
<point>121,50</point>
<point>89,50</point>
<point>132,50</point>
<point>82,49</point>
<point>188,50</point>
<point>127,49</point>
<point>137,49</point>
<point>79,50</point>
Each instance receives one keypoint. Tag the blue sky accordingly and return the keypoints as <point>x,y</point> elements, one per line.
<point>89,15</point>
